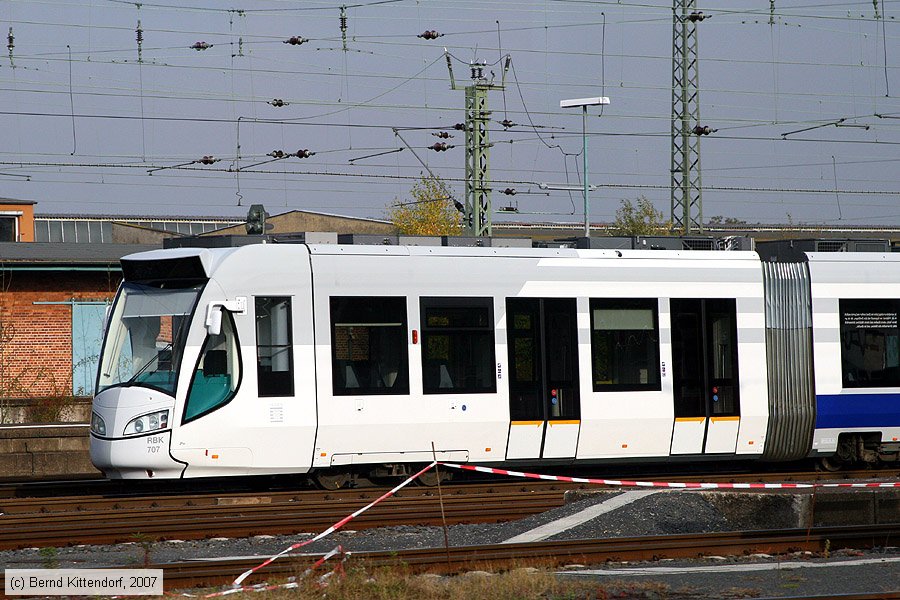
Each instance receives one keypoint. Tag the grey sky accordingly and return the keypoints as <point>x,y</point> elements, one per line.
<point>820,62</point>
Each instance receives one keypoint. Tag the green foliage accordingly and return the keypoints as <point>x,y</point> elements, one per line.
<point>725,221</point>
<point>50,409</point>
<point>431,210</point>
<point>49,557</point>
<point>640,218</point>
<point>146,542</point>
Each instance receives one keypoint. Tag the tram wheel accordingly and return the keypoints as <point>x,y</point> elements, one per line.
<point>331,481</point>
<point>830,464</point>
<point>430,478</point>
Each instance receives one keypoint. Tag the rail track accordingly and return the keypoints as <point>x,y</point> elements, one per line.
<point>549,554</point>
<point>283,513</point>
<point>96,519</point>
<point>57,496</point>
<point>62,521</point>
<point>104,488</point>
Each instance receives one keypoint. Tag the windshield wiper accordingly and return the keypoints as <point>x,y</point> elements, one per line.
<point>149,362</point>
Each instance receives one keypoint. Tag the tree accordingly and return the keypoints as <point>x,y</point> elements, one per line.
<point>640,218</point>
<point>432,210</point>
<point>720,221</point>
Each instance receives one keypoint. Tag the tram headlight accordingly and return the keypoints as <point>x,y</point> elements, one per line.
<point>98,425</point>
<point>149,422</point>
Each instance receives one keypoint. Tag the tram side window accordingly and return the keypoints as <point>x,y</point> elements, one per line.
<point>274,360</point>
<point>625,344</point>
<point>369,352</point>
<point>458,346</point>
<point>870,343</point>
<point>217,374</point>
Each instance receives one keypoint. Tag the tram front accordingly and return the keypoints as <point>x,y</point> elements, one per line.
<point>143,349</point>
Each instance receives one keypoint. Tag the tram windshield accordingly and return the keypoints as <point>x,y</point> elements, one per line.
<point>146,336</point>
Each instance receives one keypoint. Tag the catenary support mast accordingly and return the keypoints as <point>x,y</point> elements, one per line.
<point>686,188</point>
<point>478,217</point>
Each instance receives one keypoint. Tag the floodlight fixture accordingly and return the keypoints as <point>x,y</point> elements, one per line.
<point>583,104</point>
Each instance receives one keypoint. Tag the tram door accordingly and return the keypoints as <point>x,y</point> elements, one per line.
<point>544,408</point>
<point>705,361</point>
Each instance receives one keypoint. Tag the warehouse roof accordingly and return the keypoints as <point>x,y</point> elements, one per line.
<point>65,256</point>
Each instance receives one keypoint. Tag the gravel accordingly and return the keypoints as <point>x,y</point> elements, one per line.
<point>663,513</point>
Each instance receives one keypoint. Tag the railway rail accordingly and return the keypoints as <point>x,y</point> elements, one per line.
<point>40,522</point>
<point>93,520</point>
<point>47,494</point>
<point>283,513</point>
<point>549,554</point>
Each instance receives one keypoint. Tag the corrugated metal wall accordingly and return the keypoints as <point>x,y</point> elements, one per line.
<point>792,397</point>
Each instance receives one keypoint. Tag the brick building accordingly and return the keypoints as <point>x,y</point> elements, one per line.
<point>53,299</point>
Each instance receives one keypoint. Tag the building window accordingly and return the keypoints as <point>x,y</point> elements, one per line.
<point>369,346</point>
<point>625,344</point>
<point>274,356</point>
<point>458,346</point>
<point>8,229</point>
<point>87,340</point>
<point>55,231</point>
<point>870,343</point>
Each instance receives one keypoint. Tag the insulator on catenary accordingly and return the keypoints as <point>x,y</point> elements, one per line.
<point>201,46</point>
<point>442,134</point>
<point>278,102</point>
<point>295,40</point>
<point>459,126</point>
<point>703,130</point>
<point>277,154</point>
<point>509,192</point>
<point>304,153</point>
<point>438,147</point>
<point>507,123</point>
<point>208,160</point>
<point>429,35</point>
<point>696,16</point>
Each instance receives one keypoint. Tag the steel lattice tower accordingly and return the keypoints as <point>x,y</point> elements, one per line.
<point>478,208</point>
<point>687,194</point>
<point>478,190</point>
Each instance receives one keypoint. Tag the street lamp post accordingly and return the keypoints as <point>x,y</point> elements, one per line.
<point>584,103</point>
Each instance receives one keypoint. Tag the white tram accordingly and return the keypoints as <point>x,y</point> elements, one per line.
<point>338,359</point>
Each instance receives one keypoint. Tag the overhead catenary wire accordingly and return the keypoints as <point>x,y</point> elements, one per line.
<point>161,117</point>
<point>457,180</point>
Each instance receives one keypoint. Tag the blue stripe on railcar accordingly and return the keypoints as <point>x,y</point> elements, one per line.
<point>857,410</point>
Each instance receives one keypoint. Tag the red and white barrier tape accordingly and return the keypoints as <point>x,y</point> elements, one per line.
<point>236,585</point>
<point>671,485</point>
<point>292,582</point>
<point>330,530</point>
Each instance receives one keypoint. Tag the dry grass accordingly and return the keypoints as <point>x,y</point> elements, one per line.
<point>397,583</point>
<point>359,581</point>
